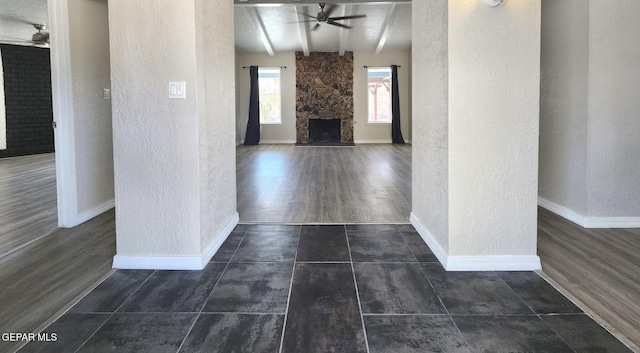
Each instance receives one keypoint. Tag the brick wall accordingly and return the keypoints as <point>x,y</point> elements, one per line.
<point>27,89</point>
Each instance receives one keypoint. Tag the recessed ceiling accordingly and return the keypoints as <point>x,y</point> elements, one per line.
<point>275,28</point>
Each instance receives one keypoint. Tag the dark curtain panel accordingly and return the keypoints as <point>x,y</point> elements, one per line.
<point>253,125</point>
<point>396,133</point>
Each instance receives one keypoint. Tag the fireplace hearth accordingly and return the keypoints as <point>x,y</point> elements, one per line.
<point>324,131</point>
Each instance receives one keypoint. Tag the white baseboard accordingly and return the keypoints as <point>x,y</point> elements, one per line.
<point>215,245</point>
<point>131,262</point>
<point>562,211</point>
<point>494,263</point>
<point>428,238</point>
<point>613,222</point>
<point>586,221</point>
<point>98,210</point>
<point>475,263</point>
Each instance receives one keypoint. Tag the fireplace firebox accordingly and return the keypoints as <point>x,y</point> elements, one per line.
<point>324,131</point>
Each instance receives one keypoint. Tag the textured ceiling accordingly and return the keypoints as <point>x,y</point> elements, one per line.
<point>278,18</point>
<point>281,27</point>
<point>16,17</point>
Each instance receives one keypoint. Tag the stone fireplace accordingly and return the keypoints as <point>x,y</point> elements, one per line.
<point>324,91</point>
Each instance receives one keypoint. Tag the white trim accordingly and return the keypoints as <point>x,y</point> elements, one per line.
<point>494,263</point>
<point>589,222</point>
<point>428,238</point>
<point>362,142</point>
<point>98,210</point>
<point>277,142</point>
<point>62,98</point>
<point>475,263</point>
<point>562,211</point>
<point>613,222</point>
<point>215,245</point>
<point>133,262</point>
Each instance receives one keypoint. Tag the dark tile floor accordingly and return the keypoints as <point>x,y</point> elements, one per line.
<point>307,289</point>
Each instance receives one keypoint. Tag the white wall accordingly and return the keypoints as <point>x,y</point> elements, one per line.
<point>484,63</point>
<point>92,113</point>
<point>590,131</point>
<point>278,133</point>
<point>430,112</point>
<point>379,133</point>
<point>286,132</point>
<point>494,88</point>
<point>3,117</point>
<point>614,106</point>
<point>174,158</point>
<point>79,73</point>
<point>216,113</point>
<point>563,101</point>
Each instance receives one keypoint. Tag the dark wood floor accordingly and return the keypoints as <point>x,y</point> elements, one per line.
<point>298,184</point>
<point>28,207</point>
<point>46,276</point>
<point>599,267</point>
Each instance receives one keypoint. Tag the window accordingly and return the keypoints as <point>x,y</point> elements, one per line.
<point>379,95</point>
<point>269,81</point>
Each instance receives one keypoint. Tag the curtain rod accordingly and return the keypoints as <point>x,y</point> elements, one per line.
<point>248,67</point>
<point>376,66</point>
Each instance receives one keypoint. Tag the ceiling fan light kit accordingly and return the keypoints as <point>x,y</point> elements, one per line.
<point>494,3</point>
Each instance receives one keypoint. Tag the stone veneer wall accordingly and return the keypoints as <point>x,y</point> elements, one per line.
<point>324,90</point>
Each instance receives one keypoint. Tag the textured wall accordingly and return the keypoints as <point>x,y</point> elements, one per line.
<point>494,89</point>
<point>90,72</point>
<point>430,166</point>
<point>3,120</point>
<point>276,132</point>
<point>28,109</point>
<point>563,103</point>
<point>155,138</point>
<point>324,90</point>
<point>380,132</point>
<point>216,117</point>
<point>614,106</point>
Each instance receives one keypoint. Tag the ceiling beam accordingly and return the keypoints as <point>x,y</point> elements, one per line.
<point>257,20</point>
<point>386,28</point>
<point>302,29</point>
<point>344,32</point>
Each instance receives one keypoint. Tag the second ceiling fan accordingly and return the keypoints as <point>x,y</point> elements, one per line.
<point>325,16</point>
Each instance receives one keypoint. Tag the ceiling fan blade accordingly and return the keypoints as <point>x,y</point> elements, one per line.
<point>15,41</point>
<point>315,27</point>
<point>346,17</point>
<point>339,24</point>
<point>307,15</point>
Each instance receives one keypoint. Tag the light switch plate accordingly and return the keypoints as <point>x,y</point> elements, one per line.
<point>178,90</point>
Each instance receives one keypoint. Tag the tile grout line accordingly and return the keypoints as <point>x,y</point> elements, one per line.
<point>286,311</point>
<point>355,283</point>
<point>212,288</point>
<point>114,311</point>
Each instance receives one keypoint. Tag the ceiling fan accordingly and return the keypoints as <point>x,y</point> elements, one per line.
<point>39,38</point>
<point>325,16</point>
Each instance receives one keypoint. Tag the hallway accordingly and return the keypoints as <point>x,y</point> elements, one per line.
<point>346,288</point>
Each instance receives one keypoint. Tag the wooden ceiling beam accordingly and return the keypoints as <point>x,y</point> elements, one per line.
<point>386,28</point>
<point>257,21</point>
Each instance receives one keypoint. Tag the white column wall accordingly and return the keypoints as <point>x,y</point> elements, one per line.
<point>488,133</point>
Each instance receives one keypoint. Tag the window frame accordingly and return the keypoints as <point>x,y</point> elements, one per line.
<point>279,71</point>
<point>378,122</point>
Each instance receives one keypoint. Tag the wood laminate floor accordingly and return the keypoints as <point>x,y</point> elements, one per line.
<point>28,207</point>
<point>600,267</point>
<point>44,277</point>
<point>300,184</point>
